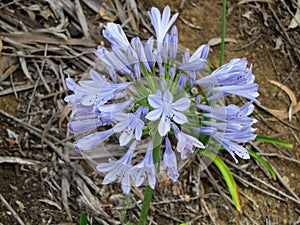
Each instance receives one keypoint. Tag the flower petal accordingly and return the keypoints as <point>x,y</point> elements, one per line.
<point>155,101</point>
<point>154,114</point>
<point>125,137</point>
<point>93,140</point>
<point>164,126</point>
<point>181,104</point>
<point>179,118</point>
<point>168,97</point>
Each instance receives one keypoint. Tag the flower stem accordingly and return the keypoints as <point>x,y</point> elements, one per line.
<point>145,206</point>
<point>148,191</point>
<point>223,33</point>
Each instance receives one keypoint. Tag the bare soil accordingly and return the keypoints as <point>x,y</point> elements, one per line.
<point>46,182</point>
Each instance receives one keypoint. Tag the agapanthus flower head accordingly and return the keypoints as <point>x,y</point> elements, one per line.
<point>146,92</point>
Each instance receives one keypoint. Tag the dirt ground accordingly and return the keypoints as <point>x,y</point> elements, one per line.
<point>44,181</point>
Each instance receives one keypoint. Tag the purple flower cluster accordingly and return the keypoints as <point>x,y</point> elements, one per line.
<point>158,98</point>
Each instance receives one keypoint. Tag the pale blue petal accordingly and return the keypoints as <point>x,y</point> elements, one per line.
<point>155,101</point>
<point>144,169</point>
<point>179,118</point>
<point>105,167</point>
<point>248,91</point>
<point>114,33</point>
<point>170,162</point>
<point>168,97</point>
<point>194,65</point>
<point>125,137</point>
<point>139,130</point>
<point>206,130</point>
<point>81,126</point>
<point>126,184</point>
<point>71,84</point>
<point>155,18</point>
<point>93,140</point>
<point>114,174</point>
<point>154,114</point>
<point>69,98</point>
<point>152,177</point>
<point>181,104</point>
<point>201,52</point>
<point>119,127</point>
<point>166,15</point>
<point>164,126</point>
<point>238,150</point>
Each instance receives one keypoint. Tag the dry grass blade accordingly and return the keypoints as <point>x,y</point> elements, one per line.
<point>82,19</point>
<point>65,193</point>
<point>217,41</point>
<point>24,65</point>
<point>29,38</point>
<point>7,159</point>
<point>294,107</point>
<point>247,1</point>
<point>287,90</point>
<point>1,47</point>
<point>189,24</point>
<point>52,203</point>
<point>23,87</point>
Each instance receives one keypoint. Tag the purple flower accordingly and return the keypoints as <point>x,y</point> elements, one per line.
<point>92,140</point>
<point>235,78</point>
<point>248,91</point>
<point>185,142</point>
<point>217,112</point>
<point>118,170</point>
<point>145,169</point>
<point>170,162</point>
<point>197,61</point>
<point>149,52</point>
<point>113,59</point>
<point>231,113</point>
<point>81,126</point>
<point>107,113</point>
<point>181,82</point>
<point>245,134</point>
<point>114,33</point>
<point>140,51</point>
<point>161,24</point>
<point>96,91</point>
<point>232,126</point>
<point>158,99</point>
<point>164,107</point>
<point>128,124</point>
<point>233,73</point>
<point>173,40</point>
<point>232,147</point>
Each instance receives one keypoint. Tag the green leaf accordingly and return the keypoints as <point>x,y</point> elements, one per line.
<point>227,177</point>
<point>83,219</point>
<point>273,141</point>
<point>263,161</point>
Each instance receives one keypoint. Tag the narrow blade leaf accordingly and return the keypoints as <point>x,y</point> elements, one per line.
<point>227,177</point>
<point>273,141</point>
<point>263,161</point>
